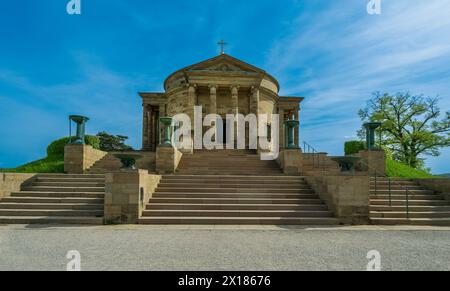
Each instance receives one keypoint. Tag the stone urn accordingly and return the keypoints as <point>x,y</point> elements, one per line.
<point>128,160</point>
<point>347,163</point>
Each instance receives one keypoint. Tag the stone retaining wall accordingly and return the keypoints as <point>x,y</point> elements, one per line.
<point>11,182</point>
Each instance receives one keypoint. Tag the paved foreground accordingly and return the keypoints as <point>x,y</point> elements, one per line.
<point>223,248</point>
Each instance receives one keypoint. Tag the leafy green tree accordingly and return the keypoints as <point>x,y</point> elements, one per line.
<point>411,128</point>
<point>113,143</point>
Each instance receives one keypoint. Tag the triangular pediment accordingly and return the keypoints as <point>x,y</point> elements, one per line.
<point>224,64</point>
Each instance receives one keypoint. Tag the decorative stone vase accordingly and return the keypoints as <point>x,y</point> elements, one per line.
<point>166,131</point>
<point>291,125</point>
<point>81,128</point>
<point>128,160</point>
<point>370,134</point>
<point>347,163</point>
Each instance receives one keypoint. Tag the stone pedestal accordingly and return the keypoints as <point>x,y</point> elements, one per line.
<point>375,160</point>
<point>78,158</point>
<point>290,160</point>
<point>167,159</point>
<point>346,196</point>
<point>126,193</point>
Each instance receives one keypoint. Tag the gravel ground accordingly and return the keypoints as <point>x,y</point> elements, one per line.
<point>223,248</point>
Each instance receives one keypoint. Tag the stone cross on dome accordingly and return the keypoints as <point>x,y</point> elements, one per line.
<point>222,45</point>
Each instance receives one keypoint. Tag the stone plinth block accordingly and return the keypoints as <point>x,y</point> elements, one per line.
<point>347,196</point>
<point>375,160</point>
<point>167,160</point>
<point>78,158</point>
<point>290,161</point>
<point>126,194</point>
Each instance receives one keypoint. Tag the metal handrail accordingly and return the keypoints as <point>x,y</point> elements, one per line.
<point>309,149</point>
<point>407,192</point>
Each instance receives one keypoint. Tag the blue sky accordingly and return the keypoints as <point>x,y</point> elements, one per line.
<point>332,52</point>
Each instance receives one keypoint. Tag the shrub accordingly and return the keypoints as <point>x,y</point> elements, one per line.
<point>56,148</point>
<point>354,146</point>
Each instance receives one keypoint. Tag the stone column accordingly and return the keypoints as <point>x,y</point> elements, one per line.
<point>235,98</point>
<point>145,128</point>
<point>282,136</point>
<point>235,109</point>
<point>192,100</point>
<point>296,133</point>
<point>213,99</point>
<point>255,101</point>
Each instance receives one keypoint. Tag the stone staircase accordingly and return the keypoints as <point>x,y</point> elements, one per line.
<point>227,162</point>
<point>56,198</point>
<point>229,199</point>
<point>425,207</point>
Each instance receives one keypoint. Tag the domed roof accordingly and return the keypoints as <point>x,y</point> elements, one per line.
<point>224,65</point>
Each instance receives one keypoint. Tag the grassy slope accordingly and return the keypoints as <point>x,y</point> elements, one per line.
<point>399,170</point>
<point>47,165</point>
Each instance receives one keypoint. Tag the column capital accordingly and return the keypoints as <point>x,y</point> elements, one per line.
<point>254,89</point>
<point>191,85</point>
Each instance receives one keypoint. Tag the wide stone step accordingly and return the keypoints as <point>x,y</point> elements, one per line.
<point>412,214</point>
<point>50,212</point>
<point>234,195</point>
<point>50,206</point>
<point>240,181</point>
<point>234,213</point>
<point>411,208</point>
<point>84,176</point>
<point>410,197</point>
<point>71,180</point>
<point>58,194</point>
<point>299,207</point>
<point>63,189</point>
<point>412,221</point>
<point>234,190</point>
<point>50,220</point>
<point>233,185</point>
<point>241,220</point>
<point>69,184</point>
<point>234,201</point>
<point>243,173</point>
<point>63,200</point>
<point>232,177</point>
<point>375,202</point>
<point>393,182</point>
<point>398,187</point>
<point>403,192</point>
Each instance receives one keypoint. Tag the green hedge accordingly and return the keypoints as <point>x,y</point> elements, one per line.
<point>354,146</point>
<point>56,148</point>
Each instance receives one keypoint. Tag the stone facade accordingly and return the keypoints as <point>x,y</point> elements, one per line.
<point>221,85</point>
<point>79,158</point>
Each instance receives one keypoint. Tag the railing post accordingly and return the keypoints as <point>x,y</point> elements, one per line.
<point>390,192</point>
<point>376,190</point>
<point>407,203</point>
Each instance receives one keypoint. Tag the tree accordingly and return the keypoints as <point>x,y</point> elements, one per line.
<point>113,143</point>
<point>411,126</point>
